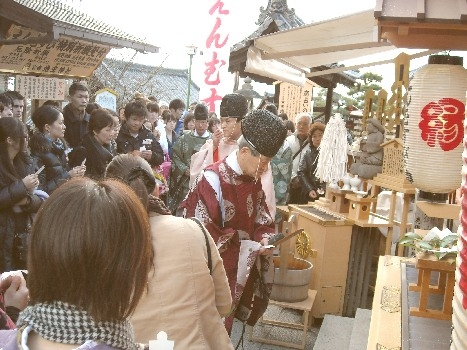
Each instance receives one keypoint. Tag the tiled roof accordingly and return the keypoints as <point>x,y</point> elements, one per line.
<point>69,17</point>
<point>126,78</point>
<point>286,19</point>
<point>278,17</point>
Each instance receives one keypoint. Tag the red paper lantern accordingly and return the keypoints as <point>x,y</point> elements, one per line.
<point>433,127</point>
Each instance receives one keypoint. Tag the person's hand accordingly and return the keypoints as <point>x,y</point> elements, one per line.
<point>216,137</point>
<point>312,194</point>
<point>265,251</point>
<point>17,294</point>
<point>31,182</point>
<point>77,171</point>
<point>146,154</point>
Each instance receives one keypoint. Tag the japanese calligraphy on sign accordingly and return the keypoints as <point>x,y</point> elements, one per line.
<point>442,123</point>
<point>295,99</point>
<point>107,98</point>
<point>41,88</point>
<point>65,56</point>
<point>216,54</point>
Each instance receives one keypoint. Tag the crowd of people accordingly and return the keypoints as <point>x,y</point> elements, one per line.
<point>150,219</point>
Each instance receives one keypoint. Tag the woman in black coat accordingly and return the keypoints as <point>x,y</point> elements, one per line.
<point>312,187</point>
<point>49,150</point>
<point>18,198</point>
<point>96,143</point>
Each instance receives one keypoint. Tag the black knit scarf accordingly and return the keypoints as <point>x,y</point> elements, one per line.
<point>64,323</point>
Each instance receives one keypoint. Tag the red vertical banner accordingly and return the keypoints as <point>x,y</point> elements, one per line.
<point>216,54</point>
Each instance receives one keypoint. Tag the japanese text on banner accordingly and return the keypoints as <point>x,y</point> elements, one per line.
<point>216,55</point>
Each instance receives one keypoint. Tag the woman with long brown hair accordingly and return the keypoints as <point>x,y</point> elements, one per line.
<point>18,202</point>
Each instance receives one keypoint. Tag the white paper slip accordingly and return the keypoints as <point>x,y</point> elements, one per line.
<point>40,170</point>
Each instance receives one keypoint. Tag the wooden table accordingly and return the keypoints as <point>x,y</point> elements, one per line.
<point>426,264</point>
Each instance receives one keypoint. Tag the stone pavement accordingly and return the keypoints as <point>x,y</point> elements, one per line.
<point>275,332</point>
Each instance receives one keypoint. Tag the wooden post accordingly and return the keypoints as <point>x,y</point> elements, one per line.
<point>391,221</point>
<point>403,225</point>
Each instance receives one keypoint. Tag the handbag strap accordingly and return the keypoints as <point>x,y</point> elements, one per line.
<point>301,148</point>
<point>208,247</point>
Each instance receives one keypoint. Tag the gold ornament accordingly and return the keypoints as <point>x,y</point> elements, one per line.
<point>303,244</point>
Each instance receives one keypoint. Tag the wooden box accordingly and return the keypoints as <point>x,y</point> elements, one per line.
<point>359,208</point>
<point>338,202</point>
<point>328,236</point>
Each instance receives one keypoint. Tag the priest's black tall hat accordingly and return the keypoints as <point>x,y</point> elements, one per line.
<point>233,106</point>
<point>201,112</point>
<point>264,131</point>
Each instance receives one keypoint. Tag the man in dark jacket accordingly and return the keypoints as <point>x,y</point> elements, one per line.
<point>74,114</point>
<point>134,138</point>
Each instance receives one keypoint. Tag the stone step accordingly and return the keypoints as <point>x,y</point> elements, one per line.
<point>335,333</point>
<point>360,331</point>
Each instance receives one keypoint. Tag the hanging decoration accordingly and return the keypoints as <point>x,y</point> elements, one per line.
<point>433,127</point>
<point>332,160</point>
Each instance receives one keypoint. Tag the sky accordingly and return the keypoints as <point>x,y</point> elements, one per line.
<point>175,24</point>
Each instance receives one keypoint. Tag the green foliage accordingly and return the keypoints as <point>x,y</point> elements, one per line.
<point>415,241</point>
<point>366,82</point>
<point>355,96</point>
<point>339,102</point>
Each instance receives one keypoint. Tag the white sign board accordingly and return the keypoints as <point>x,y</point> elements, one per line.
<point>40,88</point>
<point>106,99</point>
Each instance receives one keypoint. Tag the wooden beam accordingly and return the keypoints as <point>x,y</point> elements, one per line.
<point>376,63</point>
<point>306,52</point>
<point>328,107</point>
<point>24,16</point>
<point>48,38</point>
<point>444,26</point>
<point>403,29</point>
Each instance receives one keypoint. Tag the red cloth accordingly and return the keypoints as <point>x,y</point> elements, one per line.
<point>246,216</point>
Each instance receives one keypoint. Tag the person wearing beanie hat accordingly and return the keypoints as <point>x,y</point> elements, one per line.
<point>227,197</point>
<point>185,146</point>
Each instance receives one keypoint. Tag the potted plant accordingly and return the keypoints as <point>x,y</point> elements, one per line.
<point>441,244</point>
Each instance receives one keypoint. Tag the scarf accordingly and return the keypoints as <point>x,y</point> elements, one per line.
<point>64,323</point>
<point>158,206</point>
<point>58,146</point>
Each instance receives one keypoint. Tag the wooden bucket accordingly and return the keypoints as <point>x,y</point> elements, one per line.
<point>291,284</point>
